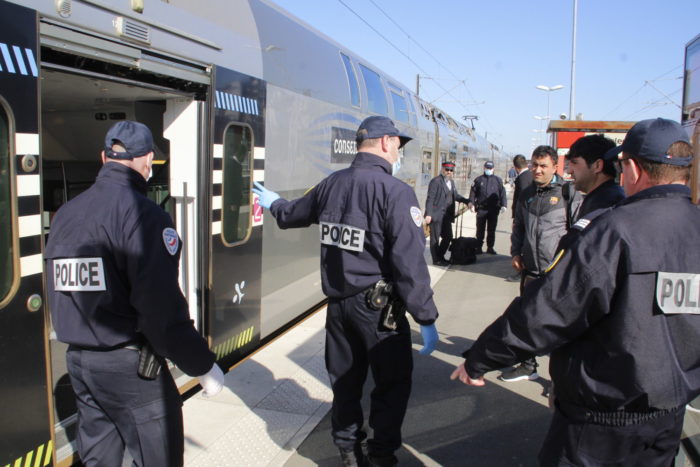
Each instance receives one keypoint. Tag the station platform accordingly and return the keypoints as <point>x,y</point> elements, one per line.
<point>274,409</point>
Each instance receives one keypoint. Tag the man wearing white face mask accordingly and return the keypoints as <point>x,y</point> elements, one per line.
<point>488,200</point>
<point>373,272</point>
<point>127,308</point>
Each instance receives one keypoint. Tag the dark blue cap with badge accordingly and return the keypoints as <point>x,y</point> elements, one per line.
<point>135,137</point>
<point>650,140</point>
<point>376,127</point>
<point>488,165</point>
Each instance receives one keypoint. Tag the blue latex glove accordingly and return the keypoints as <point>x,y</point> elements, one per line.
<point>430,339</point>
<point>267,197</point>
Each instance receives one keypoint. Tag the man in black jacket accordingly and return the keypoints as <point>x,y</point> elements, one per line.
<point>488,200</point>
<point>618,312</point>
<point>593,174</point>
<point>440,212</point>
<point>522,180</point>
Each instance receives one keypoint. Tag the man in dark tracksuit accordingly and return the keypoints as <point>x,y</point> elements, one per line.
<point>618,312</point>
<point>488,200</point>
<point>543,215</point>
<point>112,263</point>
<point>440,212</point>
<point>371,229</point>
<point>593,174</point>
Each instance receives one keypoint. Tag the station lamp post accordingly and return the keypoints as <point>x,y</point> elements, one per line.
<point>548,90</point>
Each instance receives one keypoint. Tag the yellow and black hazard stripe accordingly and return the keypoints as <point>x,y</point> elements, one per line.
<point>38,457</point>
<point>234,343</point>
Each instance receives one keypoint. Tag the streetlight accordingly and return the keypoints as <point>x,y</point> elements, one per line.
<point>549,89</point>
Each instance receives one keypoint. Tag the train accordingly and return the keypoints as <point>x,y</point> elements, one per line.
<point>234,92</point>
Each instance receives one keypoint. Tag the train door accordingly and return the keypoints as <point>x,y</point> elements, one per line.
<point>235,265</point>
<point>25,429</point>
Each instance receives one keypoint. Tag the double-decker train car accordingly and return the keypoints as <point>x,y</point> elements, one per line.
<point>234,92</point>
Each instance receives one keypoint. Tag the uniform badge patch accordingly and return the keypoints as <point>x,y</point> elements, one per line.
<point>417,216</point>
<point>553,200</point>
<point>582,223</point>
<point>171,240</point>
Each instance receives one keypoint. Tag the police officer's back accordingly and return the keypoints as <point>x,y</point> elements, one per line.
<point>617,310</point>
<point>373,270</point>
<point>112,260</point>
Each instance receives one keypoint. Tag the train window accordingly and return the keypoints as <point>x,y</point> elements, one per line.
<point>352,81</point>
<point>7,273</point>
<point>399,102</point>
<point>376,96</point>
<point>236,184</point>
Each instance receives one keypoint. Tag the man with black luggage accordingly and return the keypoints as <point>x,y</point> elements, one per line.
<point>440,212</point>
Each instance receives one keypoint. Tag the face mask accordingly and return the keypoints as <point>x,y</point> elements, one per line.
<point>395,167</point>
<point>150,174</point>
<point>488,172</point>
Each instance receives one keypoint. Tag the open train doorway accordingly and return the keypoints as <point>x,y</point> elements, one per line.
<point>77,109</point>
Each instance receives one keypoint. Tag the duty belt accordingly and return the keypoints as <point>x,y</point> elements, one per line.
<point>127,345</point>
<point>613,418</point>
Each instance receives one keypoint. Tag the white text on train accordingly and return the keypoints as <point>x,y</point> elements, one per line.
<point>343,236</point>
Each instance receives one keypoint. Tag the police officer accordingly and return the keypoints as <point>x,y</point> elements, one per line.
<point>440,212</point>
<point>370,231</point>
<point>488,200</point>
<point>112,261</point>
<point>593,174</point>
<point>618,310</point>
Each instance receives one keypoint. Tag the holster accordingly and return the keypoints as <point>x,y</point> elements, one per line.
<point>381,297</point>
<point>149,362</point>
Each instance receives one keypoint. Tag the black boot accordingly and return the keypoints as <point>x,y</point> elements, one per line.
<point>389,460</point>
<point>354,458</point>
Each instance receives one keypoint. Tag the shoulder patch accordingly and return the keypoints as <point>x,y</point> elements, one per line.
<point>417,216</point>
<point>581,224</point>
<point>171,240</point>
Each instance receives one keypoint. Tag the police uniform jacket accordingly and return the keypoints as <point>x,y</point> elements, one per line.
<point>370,229</point>
<point>488,193</point>
<point>112,261</point>
<point>541,220</point>
<point>605,195</point>
<point>440,202</point>
<point>618,312</point>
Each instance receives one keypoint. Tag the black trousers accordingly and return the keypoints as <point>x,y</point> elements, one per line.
<point>355,341</point>
<point>572,440</point>
<point>440,237</point>
<point>117,409</point>
<point>486,220</point>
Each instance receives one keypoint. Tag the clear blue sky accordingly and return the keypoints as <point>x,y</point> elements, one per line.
<point>502,50</point>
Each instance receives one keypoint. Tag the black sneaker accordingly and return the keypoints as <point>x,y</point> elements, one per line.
<point>354,458</point>
<point>441,262</point>
<point>519,373</point>
<point>382,461</point>
<point>491,251</point>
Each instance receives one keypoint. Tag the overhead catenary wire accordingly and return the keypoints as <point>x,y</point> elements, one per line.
<point>404,54</point>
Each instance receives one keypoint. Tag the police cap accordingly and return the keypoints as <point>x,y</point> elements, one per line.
<point>378,126</point>
<point>650,140</point>
<point>135,137</point>
<point>488,165</point>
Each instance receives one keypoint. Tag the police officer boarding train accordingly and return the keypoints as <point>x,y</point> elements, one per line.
<point>373,270</point>
<point>618,310</point>
<point>114,296</point>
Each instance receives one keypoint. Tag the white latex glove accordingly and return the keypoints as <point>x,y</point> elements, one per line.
<point>212,381</point>
<point>472,208</point>
<point>503,209</point>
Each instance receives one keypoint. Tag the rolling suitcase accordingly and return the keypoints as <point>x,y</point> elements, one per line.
<point>463,249</point>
